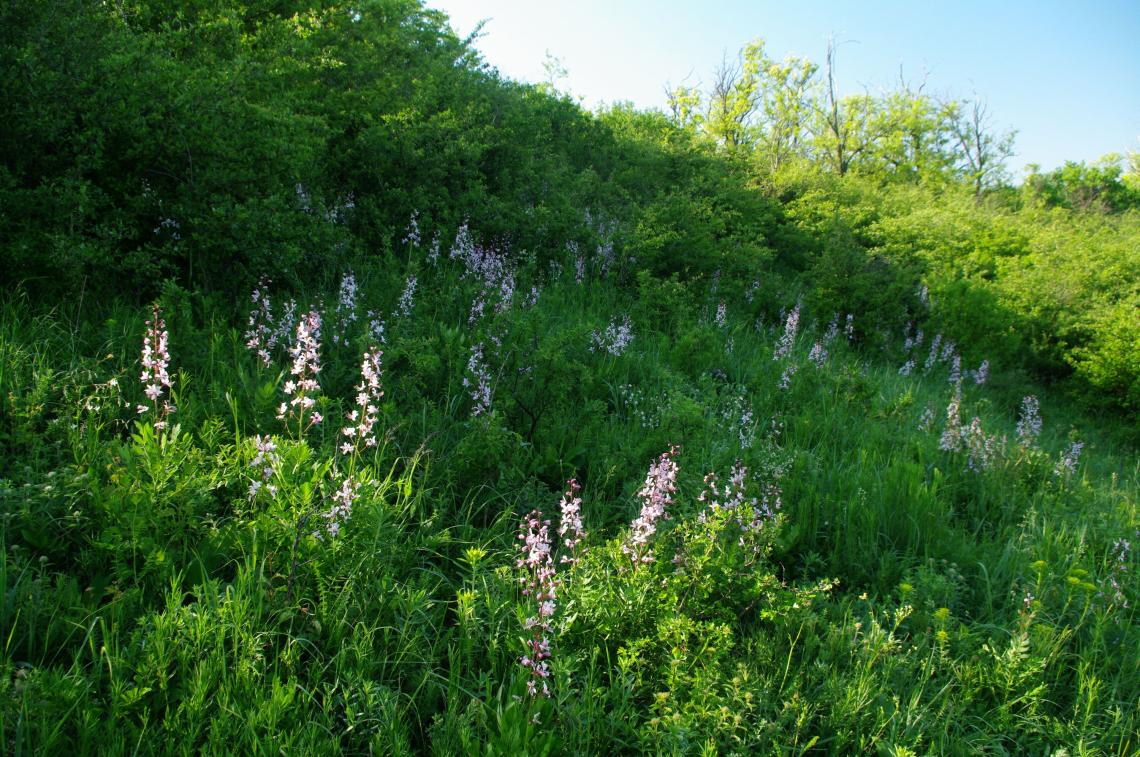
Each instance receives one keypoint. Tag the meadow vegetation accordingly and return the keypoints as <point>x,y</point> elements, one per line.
<point>354,399</point>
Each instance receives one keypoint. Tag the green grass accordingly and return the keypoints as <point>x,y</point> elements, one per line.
<point>900,603</point>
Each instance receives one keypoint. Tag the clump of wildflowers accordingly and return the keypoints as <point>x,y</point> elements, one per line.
<point>616,338</point>
<point>363,416</point>
<point>907,367</point>
<point>306,365</point>
<point>539,583</point>
<point>1029,422</point>
<point>1067,464</point>
<point>656,495</point>
<point>478,381</point>
<point>155,375</point>
<point>264,464</point>
<point>570,525</point>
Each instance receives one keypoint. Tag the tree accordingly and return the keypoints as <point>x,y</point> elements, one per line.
<point>786,105</point>
<point>982,152</point>
<point>734,96</point>
<point>916,141</point>
<point>685,106</point>
<point>844,127</point>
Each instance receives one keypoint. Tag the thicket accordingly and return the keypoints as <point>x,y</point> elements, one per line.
<point>496,303</point>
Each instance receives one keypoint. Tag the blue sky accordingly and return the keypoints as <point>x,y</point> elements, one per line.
<point>1065,76</point>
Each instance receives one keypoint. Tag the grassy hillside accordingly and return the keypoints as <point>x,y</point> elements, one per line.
<point>355,400</point>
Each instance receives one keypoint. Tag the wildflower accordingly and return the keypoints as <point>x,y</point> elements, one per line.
<point>721,314</point>
<point>955,369</point>
<point>539,583</point>
<point>746,429</point>
<point>786,376</point>
<point>616,339</point>
<point>932,358</point>
<point>605,256</point>
<point>818,355</point>
<point>788,340</point>
<point>433,250</point>
<point>981,448</point>
<point>286,327</point>
<point>849,328</point>
<point>264,463</point>
<point>376,328</point>
<point>306,366</point>
<point>981,375</point>
<point>345,307</point>
<point>655,496</point>
<point>832,332</point>
<point>532,298</point>
<point>412,237</point>
<point>363,415</point>
<point>407,299</point>
<point>907,368</point>
<point>1067,465</point>
<point>506,291</point>
<point>926,422</point>
<point>952,433</point>
<point>478,381</point>
<point>570,525</point>
<point>579,262</point>
<point>463,247</point>
<point>342,501</point>
<point>750,292</point>
<point>1118,567</point>
<point>259,333</point>
<point>155,365</point>
<point>1029,422</point>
